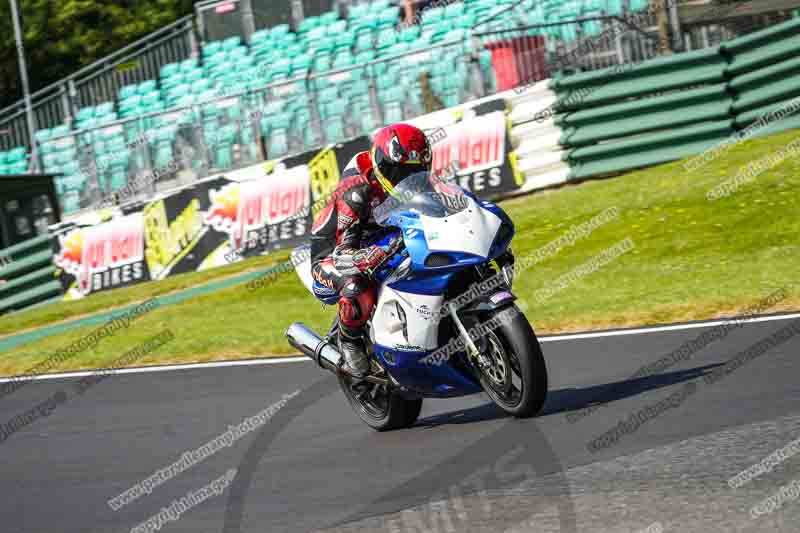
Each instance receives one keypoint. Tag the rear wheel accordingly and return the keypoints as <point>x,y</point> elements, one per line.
<point>512,369</point>
<point>378,407</point>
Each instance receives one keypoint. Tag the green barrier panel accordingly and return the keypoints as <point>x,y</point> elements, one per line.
<point>763,48</point>
<point>618,83</point>
<point>786,124</point>
<point>647,115</point>
<point>23,299</point>
<point>778,91</point>
<point>758,78</point>
<point>28,277</point>
<point>771,112</point>
<point>42,275</point>
<point>22,266</point>
<point>646,150</point>
<point>39,241</point>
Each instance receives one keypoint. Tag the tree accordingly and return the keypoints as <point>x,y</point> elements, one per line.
<point>62,36</point>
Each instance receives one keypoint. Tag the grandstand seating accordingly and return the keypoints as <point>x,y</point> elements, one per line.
<point>14,161</point>
<point>320,45</point>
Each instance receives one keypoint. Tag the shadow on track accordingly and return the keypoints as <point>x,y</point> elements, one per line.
<point>563,400</point>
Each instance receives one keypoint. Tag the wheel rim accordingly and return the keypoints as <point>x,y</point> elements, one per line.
<point>502,372</point>
<point>373,401</point>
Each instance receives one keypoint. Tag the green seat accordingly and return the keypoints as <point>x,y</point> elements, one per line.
<point>345,41</point>
<point>357,11</point>
<point>329,17</point>
<point>278,143</point>
<point>409,35</point>
<point>378,6</point>
<point>223,147</point>
<point>364,42</point>
<point>16,155</point>
<point>211,48</point>
<point>177,92</point>
<point>468,20</point>
<point>308,24</point>
<point>118,178</point>
<point>51,162</point>
<point>316,33</point>
<point>169,69</point>
<point>324,46</point>
<point>231,42</point>
<point>168,84</point>
<point>192,76</point>
<point>386,39</point>
<point>301,65</point>
<point>280,69</point>
<point>220,58</point>
<point>249,144</point>
<point>338,27</point>
<point>322,63</point>
<point>84,114</point>
<point>279,30</point>
<point>327,95</point>
<point>147,87</point>
<point>237,52</point>
<point>127,91</point>
<point>162,147</point>
<point>260,36</point>
<point>151,98</point>
<point>454,10</point>
<point>70,202</point>
<point>432,16</point>
<point>42,135</point>
<point>106,108</point>
<point>342,60</point>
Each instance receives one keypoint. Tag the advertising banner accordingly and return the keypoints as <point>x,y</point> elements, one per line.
<point>472,147</point>
<point>263,207</point>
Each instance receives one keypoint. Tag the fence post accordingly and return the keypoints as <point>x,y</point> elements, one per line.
<point>297,13</point>
<point>194,49</point>
<point>71,101</point>
<point>377,112</point>
<point>248,20</point>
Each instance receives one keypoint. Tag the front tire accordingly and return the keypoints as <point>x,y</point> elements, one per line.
<point>516,378</point>
<point>379,408</point>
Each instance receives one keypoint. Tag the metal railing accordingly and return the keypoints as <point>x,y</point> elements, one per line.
<point>255,122</point>
<point>99,82</point>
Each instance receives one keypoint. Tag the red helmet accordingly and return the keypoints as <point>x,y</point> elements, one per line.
<point>399,151</point>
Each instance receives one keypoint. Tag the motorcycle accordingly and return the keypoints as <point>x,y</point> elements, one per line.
<point>445,323</point>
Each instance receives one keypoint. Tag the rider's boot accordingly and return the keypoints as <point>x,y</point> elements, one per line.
<point>352,347</point>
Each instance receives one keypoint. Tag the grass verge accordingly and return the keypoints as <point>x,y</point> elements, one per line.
<point>692,259</point>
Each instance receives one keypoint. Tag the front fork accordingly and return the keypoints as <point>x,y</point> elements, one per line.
<point>474,355</point>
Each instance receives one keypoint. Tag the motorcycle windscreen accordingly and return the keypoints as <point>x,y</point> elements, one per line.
<point>421,194</point>
<point>471,231</point>
<point>451,220</point>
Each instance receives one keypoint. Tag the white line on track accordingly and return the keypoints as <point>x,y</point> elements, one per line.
<point>299,359</point>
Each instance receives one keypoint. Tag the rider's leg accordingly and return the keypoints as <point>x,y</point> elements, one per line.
<point>355,307</point>
<point>356,300</point>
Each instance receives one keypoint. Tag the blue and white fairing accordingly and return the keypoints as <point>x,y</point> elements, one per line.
<point>445,229</point>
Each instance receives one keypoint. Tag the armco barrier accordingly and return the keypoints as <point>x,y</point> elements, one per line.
<point>622,82</point>
<point>28,275</point>
<point>764,68</point>
<point>623,118</point>
<point>618,119</point>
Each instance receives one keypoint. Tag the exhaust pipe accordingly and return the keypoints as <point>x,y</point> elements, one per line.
<point>312,345</point>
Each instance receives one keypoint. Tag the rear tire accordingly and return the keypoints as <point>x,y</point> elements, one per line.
<point>379,408</point>
<point>515,349</point>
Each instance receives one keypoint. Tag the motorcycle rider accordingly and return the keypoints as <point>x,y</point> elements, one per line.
<point>340,263</point>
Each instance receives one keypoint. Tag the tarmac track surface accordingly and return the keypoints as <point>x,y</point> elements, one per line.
<point>464,466</point>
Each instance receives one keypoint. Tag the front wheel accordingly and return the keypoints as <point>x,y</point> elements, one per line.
<point>511,367</point>
<point>378,407</point>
